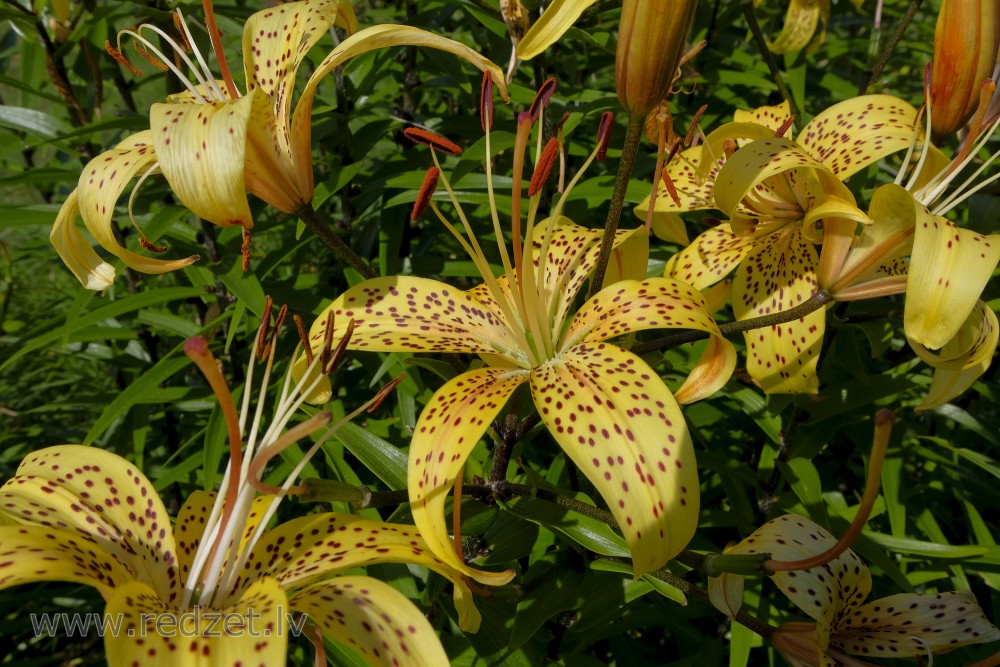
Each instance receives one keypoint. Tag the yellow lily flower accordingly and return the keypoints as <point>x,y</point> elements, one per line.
<point>608,410</point>
<point>801,21</point>
<point>558,17</point>
<point>218,587</point>
<point>213,143</point>
<point>897,626</point>
<point>782,198</point>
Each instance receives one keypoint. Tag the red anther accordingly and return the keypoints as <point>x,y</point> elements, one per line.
<point>421,136</point>
<point>604,134</point>
<point>562,121</point>
<point>673,151</point>
<point>264,328</point>
<point>384,392</point>
<point>729,147</point>
<point>150,246</point>
<point>196,346</point>
<point>544,167</point>
<point>149,57</point>
<point>338,353</point>
<point>542,98</point>
<point>780,132</point>
<point>245,250</point>
<point>426,192</point>
<point>486,103</point>
<point>120,57</point>
<point>180,30</point>
<point>667,181</point>
<point>694,125</point>
<point>300,326</point>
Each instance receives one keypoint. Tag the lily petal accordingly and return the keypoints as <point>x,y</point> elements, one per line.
<point>88,267</point>
<point>907,624</point>
<point>963,359</point>
<point>613,416</point>
<point>711,257</point>
<point>801,20</point>
<point>302,550</point>
<point>449,427</point>
<point>189,529</point>
<point>773,117</point>
<point>856,133</point>
<point>373,618</point>
<point>692,186</point>
<point>101,184</point>
<point>949,268</point>
<point>251,631</point>
<point>557,18</point>
<point>657,303</point>
<point>100,495</point>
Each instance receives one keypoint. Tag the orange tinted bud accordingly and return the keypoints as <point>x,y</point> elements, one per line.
<point>966,42</point>
<point>650,43</point>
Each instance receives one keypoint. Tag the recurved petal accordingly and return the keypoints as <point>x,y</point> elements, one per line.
<point>613,416</point>
<point>949,267</point>
<point>449,426</point>
<point>801,20</point>
<point>778,275</point>
<point>657,303</point>
<point>202,151</point>
<point>858,132</point>
<point>74,250</point>
<point>98,494</point>
<point>374,619</point>
<point>711,256</point>
<point>772,117</point>
<point>39,553</point>
<point>692,185</point>
<point>101,184</point>
<point>305,549</point>
<point>907,624</point>
<point>963,359</point>
<point>823,593</point>
<point>190,527</point>
<point>558,17</point>
<point>254,630</point>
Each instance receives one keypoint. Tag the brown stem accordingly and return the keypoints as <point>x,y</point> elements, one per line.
<point>772,64</point>
<point>308,215</point>
<point>890,47</point>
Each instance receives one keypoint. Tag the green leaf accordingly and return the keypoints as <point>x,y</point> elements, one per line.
<point>383,458</point>
<point>586,531</point>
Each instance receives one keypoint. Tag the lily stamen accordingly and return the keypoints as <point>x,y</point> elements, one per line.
<point>220,55</point>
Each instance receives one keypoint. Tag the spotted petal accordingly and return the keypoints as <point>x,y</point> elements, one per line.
<point>778,275</point>
<point>963,359</point>
<point>449,427</point>
<point>711,257</point>
<point>949,267</point>
<point>692,186</point>
<point>657,303</point>
<point>856,133</point>
<point>305,549</point>
<point>252,631</point>
<point>801,21</point>
<point>773,117</point>
<point>98,494</point>
<point>373,618</point>
<point>557,18</point>
<point>74,250</point>
<point>613,416</point>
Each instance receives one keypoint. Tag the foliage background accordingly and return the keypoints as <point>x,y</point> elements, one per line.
<point>107,369</point>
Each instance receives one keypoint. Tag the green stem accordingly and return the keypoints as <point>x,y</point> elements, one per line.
<point>308,215</point>
<point>772,64</point>
<point>819,299</point>
<point>890,47</point>
<point>636,125</point>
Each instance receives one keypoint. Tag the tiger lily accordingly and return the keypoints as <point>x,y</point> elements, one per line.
<point>608,410</point>
<point>802,19</point>
<point>213,143</point>
<point>897,626</point>
<point>92,517</point>
<point>782,197</point>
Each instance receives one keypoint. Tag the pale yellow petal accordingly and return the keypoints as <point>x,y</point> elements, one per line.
<point>557,18</point>
<point>74,250</point>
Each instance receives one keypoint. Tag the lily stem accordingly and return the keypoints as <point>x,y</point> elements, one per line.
<point>633,134</point>
<point>890,47</point>
<point>819,299</point>
<point>772,64</point>
<point>308,215</point>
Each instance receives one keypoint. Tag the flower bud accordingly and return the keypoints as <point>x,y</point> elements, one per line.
<point>650,44</point>
<point>966,41</point>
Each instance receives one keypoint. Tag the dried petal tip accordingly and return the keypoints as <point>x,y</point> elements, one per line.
<point>427,138</point>
<point>604,134</point>
<point>196,346</point>
<point>426,192</point>
<point>486,102</point>
<point>542,98</point>
<point>544,167</point>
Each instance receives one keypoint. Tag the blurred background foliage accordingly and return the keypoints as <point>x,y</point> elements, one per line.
<point>107,369</point>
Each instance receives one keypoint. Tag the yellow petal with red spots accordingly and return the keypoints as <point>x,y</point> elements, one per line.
<point>949,267</point>
<point>779,274</point>
<point>89,491</point>
<point>557,18</point>
<point>613,416</point>
<point>907,625</point>
<point>711,256</point>
<point>657,303</point>
<point>101,184</point>
<point>773,117</point>
<point>692,186</point>
<point>74,250</point>
<point>374,619</point>
<point>202,150</point>
<point>856,133</point>
<point>30,553</point>
<point>449,427</point>
<point>963,359</point>
<point>302,550</point>
<point>801,21</point>
<point>253,630</point>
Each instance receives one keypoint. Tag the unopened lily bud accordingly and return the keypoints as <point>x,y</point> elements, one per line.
<point>966,42</point>
<point>650,43</point>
